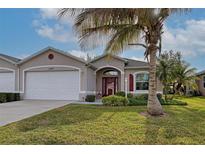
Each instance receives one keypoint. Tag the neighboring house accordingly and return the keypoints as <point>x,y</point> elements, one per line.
<point>57,75</point>
<point>201,82</point>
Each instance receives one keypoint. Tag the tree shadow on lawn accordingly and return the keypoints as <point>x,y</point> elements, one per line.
<point>69,115</point>
<point>183,125</point>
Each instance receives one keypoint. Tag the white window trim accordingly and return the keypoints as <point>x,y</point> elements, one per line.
<point>139,91</point>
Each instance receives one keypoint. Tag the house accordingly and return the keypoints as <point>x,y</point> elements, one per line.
<point>53,74</point>
<point>201,82</point>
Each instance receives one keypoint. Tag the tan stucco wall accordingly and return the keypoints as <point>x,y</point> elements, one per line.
<point>91,80</point>
<point>109,61</point>
<point>133,71</point>
<point>201,85</point>
<point>6,64</point>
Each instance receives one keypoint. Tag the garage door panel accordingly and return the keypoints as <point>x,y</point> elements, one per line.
<point>62,85</point>
<point>7,82</point>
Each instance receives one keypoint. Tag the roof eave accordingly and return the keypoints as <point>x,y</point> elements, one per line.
<point>133,67</point>
<point>8,60</point>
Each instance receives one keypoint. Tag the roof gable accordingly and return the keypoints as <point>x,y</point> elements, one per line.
<point>104,55</point>
<point>10,59</point>
<point>54,50</point>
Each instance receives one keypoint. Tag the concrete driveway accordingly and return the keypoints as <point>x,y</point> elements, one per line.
<point>15,111</point>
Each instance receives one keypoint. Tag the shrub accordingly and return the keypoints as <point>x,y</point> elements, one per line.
<point>114,101</point>
<point>194,93</point>
<point>136,102</point>
<point>90,98</point>
<point>141,96</point>
<point>129,95</point>
<point>3,98</point>
<point>17,97</point>
<point>173,102</point>
<point>9,97</point>
<point>120,93</point>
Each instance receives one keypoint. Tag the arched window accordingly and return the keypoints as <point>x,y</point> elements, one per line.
<point>142,81</point>
<point>110,73</point>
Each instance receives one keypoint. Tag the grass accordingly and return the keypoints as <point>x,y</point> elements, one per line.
<point>91,124</point>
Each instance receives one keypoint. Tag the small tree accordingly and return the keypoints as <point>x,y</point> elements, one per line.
<point>173,70</point>
<point>185,77</point>
<point>165,66</point>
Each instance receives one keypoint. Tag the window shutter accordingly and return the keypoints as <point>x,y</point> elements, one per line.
<point>131,82</point>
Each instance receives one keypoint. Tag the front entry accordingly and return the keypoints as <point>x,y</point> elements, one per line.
<point>109,85</point>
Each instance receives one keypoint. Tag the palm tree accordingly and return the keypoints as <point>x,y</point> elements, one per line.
<point>165,67</point>
<point>173,70</point>
<point>121,27</point>
<point>185,77</point>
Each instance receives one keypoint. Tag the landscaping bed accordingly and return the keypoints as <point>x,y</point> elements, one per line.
<point>135,100</point>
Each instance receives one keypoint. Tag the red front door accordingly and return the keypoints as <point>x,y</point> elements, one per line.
<point>109,85</point>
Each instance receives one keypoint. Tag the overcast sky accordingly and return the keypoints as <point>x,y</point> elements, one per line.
<point>26,31</point>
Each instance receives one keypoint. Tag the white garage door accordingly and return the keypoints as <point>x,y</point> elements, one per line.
<point>7,82</point>
<point>59,85</point>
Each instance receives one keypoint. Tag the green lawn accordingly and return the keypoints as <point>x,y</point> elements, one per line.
<point>90,124</point>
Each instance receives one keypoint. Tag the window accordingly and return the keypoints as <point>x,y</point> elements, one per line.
<point>204,81</point>
<point>110,73</point>
<point>141,81</point>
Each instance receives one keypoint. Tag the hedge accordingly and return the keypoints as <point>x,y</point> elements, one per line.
<point>120,93</point>
<point>136,102</point>
<point>9,97</point>
<point>90,98</point>
<point>114,101</point>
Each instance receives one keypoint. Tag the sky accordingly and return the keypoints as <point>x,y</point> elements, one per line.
<point>26,31</point>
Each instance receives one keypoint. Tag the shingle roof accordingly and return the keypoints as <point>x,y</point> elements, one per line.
<point>135,63</point>
<point>201,73</point>
<point>13,59</point>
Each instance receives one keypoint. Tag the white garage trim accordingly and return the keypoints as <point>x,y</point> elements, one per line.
<point>14,77</point>
<point>46,66</point>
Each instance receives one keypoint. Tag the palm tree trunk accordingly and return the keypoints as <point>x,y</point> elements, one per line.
<point>165,90</point>
<point>153,106</point>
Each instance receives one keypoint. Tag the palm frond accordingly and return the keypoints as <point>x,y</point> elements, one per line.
<point>122,38</point>
<point>95,24</point>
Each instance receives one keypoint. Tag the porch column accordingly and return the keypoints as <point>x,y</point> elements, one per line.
<point>122,87</point>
